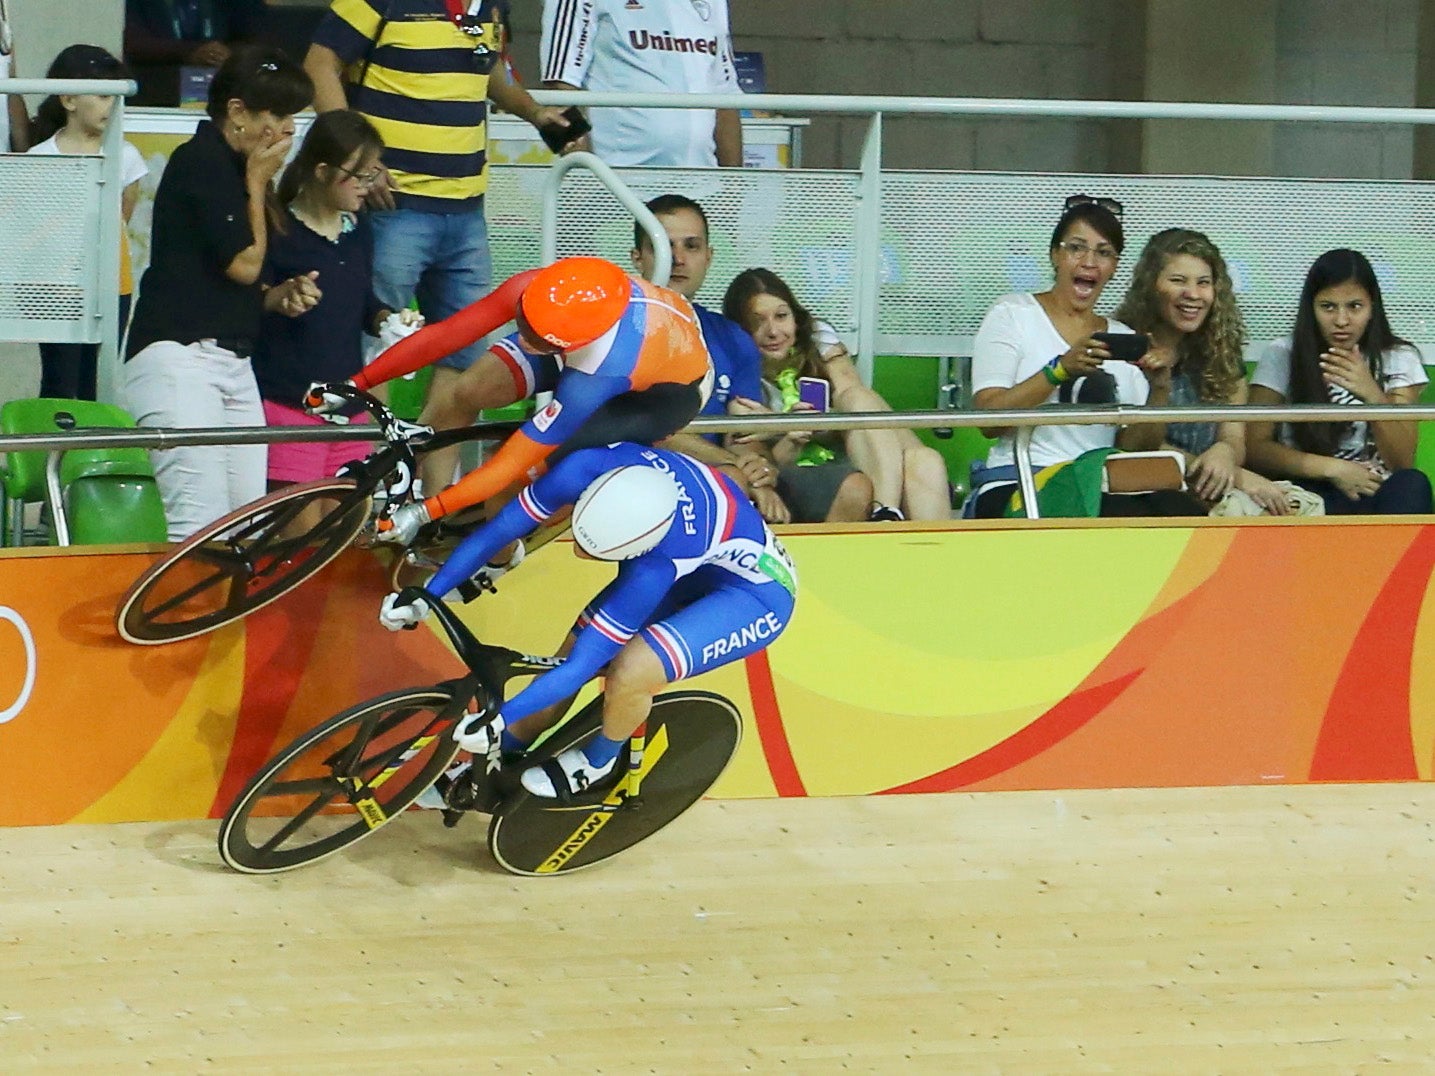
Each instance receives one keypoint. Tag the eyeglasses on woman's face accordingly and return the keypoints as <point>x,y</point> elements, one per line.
<point>1080,251</point>
<point>364,179</point>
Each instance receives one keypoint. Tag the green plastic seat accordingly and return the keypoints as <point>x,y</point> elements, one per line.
<point>112,509</point>
<point>24,477</point>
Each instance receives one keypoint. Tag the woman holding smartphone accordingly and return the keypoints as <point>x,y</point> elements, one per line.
<point>1181,297</point>
<point>1052,347</point>
<point>1342,351</point>
<point>908,479</point>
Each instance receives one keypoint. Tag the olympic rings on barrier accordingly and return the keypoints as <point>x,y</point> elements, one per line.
<point>31,663</point>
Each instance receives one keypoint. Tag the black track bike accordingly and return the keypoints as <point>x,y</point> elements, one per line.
<point>356,772</point>
<point>258,553</point>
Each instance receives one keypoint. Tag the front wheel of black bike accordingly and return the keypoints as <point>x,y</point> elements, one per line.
<point>241,562</point>
<point>339,782</point>
<point>691,737</point>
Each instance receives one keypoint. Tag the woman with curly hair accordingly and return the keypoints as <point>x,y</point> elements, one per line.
<point>1181,296</point>
<point>1343,351</point>
<point>907,478</point>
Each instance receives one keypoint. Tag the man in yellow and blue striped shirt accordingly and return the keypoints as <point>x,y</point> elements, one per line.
<point>423,72</point>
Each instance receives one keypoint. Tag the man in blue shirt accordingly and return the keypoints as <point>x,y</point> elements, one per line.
<point>737,364</point>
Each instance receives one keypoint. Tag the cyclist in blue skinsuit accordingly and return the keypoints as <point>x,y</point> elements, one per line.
<point>701,582</point>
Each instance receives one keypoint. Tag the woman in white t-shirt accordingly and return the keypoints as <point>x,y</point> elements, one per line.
<point>75,123</point>
<point>1040,349</point>
<point>1342,351</point>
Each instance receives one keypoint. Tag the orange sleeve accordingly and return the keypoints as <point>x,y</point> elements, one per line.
<point>510,464</point>
<point>433,342</point>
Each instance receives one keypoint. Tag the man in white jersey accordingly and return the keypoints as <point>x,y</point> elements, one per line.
<point>647,46</point>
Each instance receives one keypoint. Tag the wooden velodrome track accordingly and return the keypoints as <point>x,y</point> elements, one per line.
<point>1275,929</point>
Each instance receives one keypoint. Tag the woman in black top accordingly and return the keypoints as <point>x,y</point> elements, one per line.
<point>201,299</point>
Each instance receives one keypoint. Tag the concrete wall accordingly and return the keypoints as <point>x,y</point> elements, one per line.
<point>1330,52</point>
<point>1326,52</point>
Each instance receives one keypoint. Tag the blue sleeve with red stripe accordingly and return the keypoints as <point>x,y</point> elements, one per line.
<point>636,593</point>
<point>518,518</point>
<point>578,396</point>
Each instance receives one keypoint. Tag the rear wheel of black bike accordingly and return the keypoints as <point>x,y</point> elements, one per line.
<point>241,562</point>
<point>692,735</point>
<point>341,781</point>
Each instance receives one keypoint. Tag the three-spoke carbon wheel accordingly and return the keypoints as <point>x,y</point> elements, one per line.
<point>341,781</point>
<point>243,561</point>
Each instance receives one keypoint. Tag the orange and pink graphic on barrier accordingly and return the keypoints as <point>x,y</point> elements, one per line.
<point>918,661</point>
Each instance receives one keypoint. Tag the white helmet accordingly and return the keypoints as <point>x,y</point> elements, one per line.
<point>625,512</point>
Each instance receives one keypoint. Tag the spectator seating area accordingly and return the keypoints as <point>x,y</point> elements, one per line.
<point>944,246</point>
<point>105,495</point>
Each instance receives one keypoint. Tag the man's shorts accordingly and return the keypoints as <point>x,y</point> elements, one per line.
<point>712,617</point>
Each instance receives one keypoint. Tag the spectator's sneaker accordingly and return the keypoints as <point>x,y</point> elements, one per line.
<point>882,514</point>
<point>567,775</point>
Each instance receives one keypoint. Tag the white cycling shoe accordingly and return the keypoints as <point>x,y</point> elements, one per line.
<point>567,775</point>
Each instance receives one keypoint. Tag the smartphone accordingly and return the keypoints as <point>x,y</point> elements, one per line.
<point>814,391</point>
<point>1125,347</point>
<point>557,137</point>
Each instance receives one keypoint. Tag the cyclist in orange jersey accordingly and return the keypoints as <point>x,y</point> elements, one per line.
<point>631,365</point>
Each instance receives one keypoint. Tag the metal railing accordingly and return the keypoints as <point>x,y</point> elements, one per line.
<point>657,235</point>
<point>1023,420</point>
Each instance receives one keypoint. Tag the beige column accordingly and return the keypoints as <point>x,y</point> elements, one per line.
<point>1423,164</point>
<point>1219,50</point>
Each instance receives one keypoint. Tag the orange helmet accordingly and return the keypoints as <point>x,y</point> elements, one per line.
<point>574,301</point>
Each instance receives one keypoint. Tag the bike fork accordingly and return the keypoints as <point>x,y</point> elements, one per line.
<point>636,744</point>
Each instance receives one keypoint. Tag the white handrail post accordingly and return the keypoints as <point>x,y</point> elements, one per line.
<point>112,227</point>
<point>657,235</point>
<point>1025,478</point>
<point>866,253</point>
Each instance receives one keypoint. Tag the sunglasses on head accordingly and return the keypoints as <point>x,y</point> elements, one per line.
<point>1111,205</point>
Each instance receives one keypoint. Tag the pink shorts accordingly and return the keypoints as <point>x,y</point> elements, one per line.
<point>306,461</point>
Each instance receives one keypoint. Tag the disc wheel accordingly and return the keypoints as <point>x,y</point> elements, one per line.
<point>340,782</point>
<point>241,562</point>
<point>692,736</point>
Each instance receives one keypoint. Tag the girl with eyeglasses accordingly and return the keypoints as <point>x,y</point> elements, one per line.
<point>1039,349</point>
<point>322,236</point>
<point>1343,351</point>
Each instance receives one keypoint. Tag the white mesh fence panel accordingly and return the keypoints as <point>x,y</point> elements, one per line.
<point>953,242</point>
<point>799,224</point>
<point>49,227</point>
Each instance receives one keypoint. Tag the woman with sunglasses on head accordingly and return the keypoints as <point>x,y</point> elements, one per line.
<point>323,237</point>
<point>1181,297</point>
<point>1038,349</point>
<point>1342,351</point>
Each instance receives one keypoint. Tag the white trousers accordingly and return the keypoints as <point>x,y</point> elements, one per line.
<point>197,385</point>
